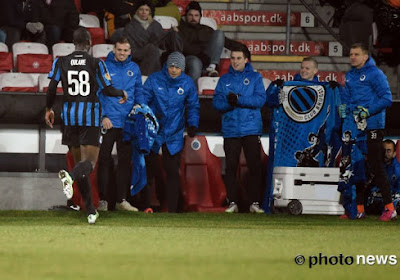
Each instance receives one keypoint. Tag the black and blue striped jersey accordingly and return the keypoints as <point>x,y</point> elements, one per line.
<point>81,76</point>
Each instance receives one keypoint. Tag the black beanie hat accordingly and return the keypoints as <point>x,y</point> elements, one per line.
<point>194,5</point>
<point>142,3</point>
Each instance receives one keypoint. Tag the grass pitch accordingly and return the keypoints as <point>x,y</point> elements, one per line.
<point>61,245</point>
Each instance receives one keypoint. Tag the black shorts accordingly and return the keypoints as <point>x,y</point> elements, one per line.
<point>74,136</point>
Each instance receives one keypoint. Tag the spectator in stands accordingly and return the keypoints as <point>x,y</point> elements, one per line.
<point>19,19</point>
<point>239,96</point>
<point>119,13</point>
<point>170,93</point>
<point>81,76</point>
<point>60,19</point>
<point>202,45</point>
<point>147,38</point>
<point>125,75</point>
<point>367,91</point>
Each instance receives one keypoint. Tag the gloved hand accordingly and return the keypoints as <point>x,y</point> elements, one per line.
<point>39,27</point>
<point>232,99</point>
<point>278,82</point>
<point>31,27</point>
<point>342,111</point>
<point>192,131</point>
<point>361,112</point>
<point>333,84</point>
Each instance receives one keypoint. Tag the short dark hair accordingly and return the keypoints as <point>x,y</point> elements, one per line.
<point>360,46</point>
<point>312,59</point>
<point>242,48</point>
<point>391,142</point>
<point>122,40</point>
<point>81,36</point>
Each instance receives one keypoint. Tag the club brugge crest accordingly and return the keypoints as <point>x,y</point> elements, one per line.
<point>302,103</point>
<point>195,145</point>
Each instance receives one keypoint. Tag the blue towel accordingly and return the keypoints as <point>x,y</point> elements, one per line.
<point>140,129</point>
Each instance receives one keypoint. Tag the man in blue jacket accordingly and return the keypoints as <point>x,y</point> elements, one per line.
<point>367,90</point>
<point>125,75</point>
<point>308,72</point>
<point>239,96</point>
<point>169,93</point>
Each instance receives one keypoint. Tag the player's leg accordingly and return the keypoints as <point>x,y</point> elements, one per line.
<point>171,165</point>
<point>124,170</point>
<point>105,161</point>
<point>232,148</point>
<point>252,152</point>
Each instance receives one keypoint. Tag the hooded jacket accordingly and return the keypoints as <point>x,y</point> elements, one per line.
<point>245,118</point>
<point>368,87</point>
<point>169,98</point>
<point>126,76</point>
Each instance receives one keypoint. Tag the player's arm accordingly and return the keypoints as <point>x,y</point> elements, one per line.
<point>105,84</point>
<point>54,75</point>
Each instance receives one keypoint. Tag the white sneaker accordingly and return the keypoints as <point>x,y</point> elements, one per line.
<point>125,206</point>
<point>103,205</point>
<point>67,183</point>
<point>92,218</point>
<point>255,208</point>
<point>233,208</point>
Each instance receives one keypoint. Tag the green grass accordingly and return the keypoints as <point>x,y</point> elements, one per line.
<point>61,245</point>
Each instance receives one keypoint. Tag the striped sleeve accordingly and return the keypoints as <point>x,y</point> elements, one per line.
<point>103,77</point>
<point>54,73</point>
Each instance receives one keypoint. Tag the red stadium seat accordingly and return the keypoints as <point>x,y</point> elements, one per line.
<point>207,85</point>
<point>18,82</point>
<point>44,84</point>
<point>32,57</point>
<point>202,186</point>
<point>244,200</point>
<point>98,35</point>
<point>398,150</point>
<point>77,198</point>
<point>6,64</point>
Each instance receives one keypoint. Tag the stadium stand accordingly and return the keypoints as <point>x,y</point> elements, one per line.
<point>166,21</point>
<point>62,49</point>
<point>18,82</point>
<point>92,23</point>
<point>207,85</point>
<point>262,28</point>
<point>209,22</point>
<point>31,57</point>
<point>43,82</point>
<point>102,50</point>
<point>6,60</point>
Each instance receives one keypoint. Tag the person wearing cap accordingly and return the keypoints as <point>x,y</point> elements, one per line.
<point>147,38</point>
<point>171,94</point>
<point>202,45</point>
<point>239,96</point>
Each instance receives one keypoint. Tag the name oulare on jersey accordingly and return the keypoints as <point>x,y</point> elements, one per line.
<point>75,62</point>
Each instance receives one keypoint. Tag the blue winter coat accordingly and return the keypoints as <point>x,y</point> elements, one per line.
<point>127,76</point>
<point>169,98</point>
<point>245,118</point>
<point>368,87</point>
